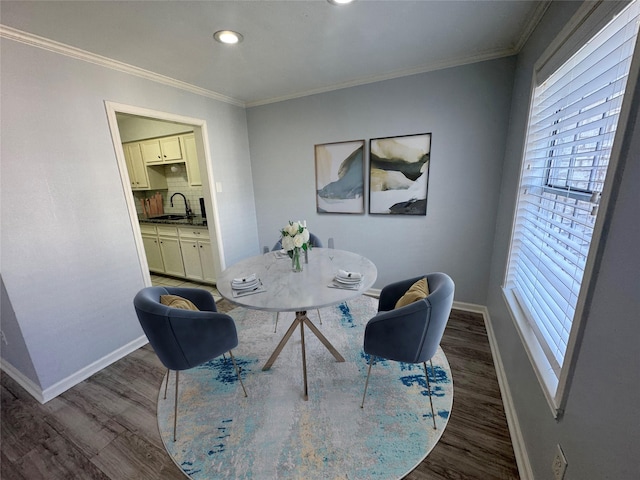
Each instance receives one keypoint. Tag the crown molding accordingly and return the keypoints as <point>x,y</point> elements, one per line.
<point>73,52</point>
<point>456,62</point>
<point>534,19</point>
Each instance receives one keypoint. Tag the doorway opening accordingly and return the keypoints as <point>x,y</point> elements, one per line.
<point>130,124</point>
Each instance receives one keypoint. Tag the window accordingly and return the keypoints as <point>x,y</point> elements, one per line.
<point>573,119</point>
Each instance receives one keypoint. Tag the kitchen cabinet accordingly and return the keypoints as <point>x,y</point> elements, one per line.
<point>170,249</point>
<point>191,159</point>
<point>191,259</point>
<point>207,261</point>
<point>141,176</point>
<point>152,248</point>
<point>162,150</point>
<point>181,251</point>
<point>197,254</point>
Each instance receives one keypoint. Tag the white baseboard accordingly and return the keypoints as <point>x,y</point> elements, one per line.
<point>32,389</point>
<point>519,449</point>
<point>65,384</point>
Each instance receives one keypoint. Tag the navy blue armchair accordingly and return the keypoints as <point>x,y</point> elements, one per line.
<point>184,339</point>
<point>412,333</point>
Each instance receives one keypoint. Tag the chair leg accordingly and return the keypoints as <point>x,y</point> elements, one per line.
<point>175,407</point>
<point>166,384</point>
<point>275,329</point>
<point>319,317</point>
<point>237,372</point>
<point>433,415</point>
<point>366,383</point>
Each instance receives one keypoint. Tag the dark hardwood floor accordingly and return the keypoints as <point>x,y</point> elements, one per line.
<point>105,427</point>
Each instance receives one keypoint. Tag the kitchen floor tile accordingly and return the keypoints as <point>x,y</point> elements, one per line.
<point>159,280</point>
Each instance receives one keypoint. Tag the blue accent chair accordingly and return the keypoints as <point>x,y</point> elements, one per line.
<point>412,333</point>
<point>184,339</point>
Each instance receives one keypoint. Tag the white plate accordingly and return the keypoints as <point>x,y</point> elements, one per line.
<point>248,278</point>
<point>348,281</point>
<point>246,285</point>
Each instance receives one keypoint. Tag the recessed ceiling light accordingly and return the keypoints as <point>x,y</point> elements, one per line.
<point>227,36</point>
<point>339,2</point>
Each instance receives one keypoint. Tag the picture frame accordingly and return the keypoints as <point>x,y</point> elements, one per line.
<point>340,177</point>
<point>399,174</point>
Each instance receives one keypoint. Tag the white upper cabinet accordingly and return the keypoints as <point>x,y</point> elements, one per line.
<point>140,176</point>
<point>191,159</point>
<point>162,150</point>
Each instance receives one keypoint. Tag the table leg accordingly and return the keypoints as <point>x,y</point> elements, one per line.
<point>300,320</point>
<point>304,360</point>
<point>282,343</point>
<point>323,339</point>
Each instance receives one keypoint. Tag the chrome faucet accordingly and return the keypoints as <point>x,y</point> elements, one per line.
<point>186,204</point>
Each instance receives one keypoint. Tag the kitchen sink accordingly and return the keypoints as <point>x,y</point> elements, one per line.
<point>168,217</point>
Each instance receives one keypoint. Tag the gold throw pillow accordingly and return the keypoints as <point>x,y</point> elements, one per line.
<point>174,301</point>
<point>417,291</point>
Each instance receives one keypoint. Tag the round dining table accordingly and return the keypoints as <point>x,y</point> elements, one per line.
<point>280,289</point>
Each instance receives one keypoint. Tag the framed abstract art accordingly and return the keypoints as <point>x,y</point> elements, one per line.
<point>399,174</point>
<point>340,177</point>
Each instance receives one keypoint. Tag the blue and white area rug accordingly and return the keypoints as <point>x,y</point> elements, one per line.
<point>275,434</point>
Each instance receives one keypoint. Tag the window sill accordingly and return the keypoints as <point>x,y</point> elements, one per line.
<point>546,376</point>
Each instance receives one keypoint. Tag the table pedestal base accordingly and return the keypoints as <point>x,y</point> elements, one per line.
<point>300,321</point>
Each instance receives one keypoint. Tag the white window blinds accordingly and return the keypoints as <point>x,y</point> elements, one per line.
<point>573,119</point>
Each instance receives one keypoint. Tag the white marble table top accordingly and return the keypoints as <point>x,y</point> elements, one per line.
<point>296,291</point>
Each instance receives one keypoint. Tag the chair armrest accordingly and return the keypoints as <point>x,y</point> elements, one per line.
<point>397,334</point>
<point>200,298</point>
<point>204,335</point>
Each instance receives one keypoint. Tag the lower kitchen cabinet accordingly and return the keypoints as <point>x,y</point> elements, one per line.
<point>196,254</point>
<point>179,251</point>
<point>207,261</point>
<point>152,250</point>
<point>170,248</point>
<point>191,259</point>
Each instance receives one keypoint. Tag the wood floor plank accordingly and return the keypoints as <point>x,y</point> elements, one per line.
<point>57,459</point>
<point>105,428</point>
<point>131,457</point>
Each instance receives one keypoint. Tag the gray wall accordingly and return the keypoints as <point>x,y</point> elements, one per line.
<point>69,261</point>
<point>13,347</point>
<point>600,430</point>
<point>467,111</point>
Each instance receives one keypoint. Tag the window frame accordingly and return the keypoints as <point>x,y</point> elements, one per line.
<point>588,20</point>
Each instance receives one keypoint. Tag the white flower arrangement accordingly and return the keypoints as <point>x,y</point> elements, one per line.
<point>295,237</point>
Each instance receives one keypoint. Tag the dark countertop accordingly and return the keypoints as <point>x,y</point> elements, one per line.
<point>196,221</point>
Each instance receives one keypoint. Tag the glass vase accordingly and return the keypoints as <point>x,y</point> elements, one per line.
<point>296,266</point>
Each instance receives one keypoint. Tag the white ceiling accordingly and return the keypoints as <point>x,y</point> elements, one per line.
<point>290,48</point>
